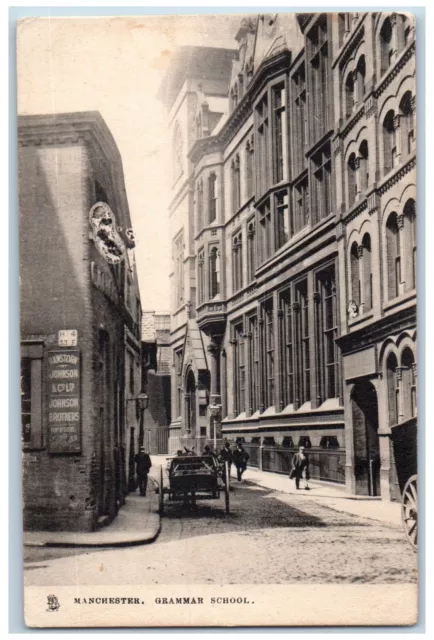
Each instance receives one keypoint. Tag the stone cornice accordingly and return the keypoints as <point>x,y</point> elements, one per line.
<point>354,211</point>
<point>353,120</point>
<point>281,61</point>
<point>395,69</point>
<point>399,173</point>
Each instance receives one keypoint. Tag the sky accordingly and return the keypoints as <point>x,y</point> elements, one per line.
<point>115,66</point>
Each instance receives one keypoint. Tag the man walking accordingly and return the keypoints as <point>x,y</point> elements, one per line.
<point>300,468</point>
<point>143,464</point>
<point>240,457</point>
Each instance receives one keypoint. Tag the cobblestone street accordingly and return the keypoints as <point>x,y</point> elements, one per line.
<point>268,537</point>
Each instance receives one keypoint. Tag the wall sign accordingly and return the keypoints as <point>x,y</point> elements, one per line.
<point>64,402</point>
<point>105,233</point>
<point>67,338</point>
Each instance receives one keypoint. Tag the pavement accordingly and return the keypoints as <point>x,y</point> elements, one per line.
<point>332,496</point>
<point>137,522</point>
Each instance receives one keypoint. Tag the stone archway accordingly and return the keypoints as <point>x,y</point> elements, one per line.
<point>190,403</point>
<point>364,406</point>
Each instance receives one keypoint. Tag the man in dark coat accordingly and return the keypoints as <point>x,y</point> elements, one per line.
<point>300,468</point>
<point>143,464</point>
<point>226,456</point>
<point>240,457</point>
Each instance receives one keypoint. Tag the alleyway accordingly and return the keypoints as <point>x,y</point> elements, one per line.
<point>268,537</point>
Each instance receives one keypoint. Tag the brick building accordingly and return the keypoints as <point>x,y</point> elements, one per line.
<point>293,227</point>
<point>80,321</point>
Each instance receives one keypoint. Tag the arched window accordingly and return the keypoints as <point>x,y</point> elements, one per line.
<point>199,205</point>
<point>352,182</point>
<point>364,166</point>
<point>212,197</point>
<point>406,109</point>
<point>360,74</point>
<point>393,389</point>
<point>410,243</point>
<point>349,95</point>
<point>408,384</point>
<point>200,277</point>
<point>389,136</point>
<point>386,45</point>
<point>393,249</point>
<point>367,272</point>
<point>355,274</point>
<point>214,272</point>
<point>177,152</point>
<point>236,184</point>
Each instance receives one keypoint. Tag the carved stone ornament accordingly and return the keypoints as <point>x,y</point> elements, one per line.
<point>105,233</point>
<point>129,235</point>
<point>353,309</point>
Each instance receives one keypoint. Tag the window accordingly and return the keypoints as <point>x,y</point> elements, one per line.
<point>287,355</point>
<point>253,365</point>
<point>267,355</point>
<point>131,375</point>
<point>299,120</point>
<point>352,181</point>
<point>31,396</point>
<point>239,369</point>
<point>410,233</point>
<point>234,97</point>
<point>320,84</point>
<point>349,95</point>
<point>237,262</point>
<point>178,251</point>
<point>360,78</point>
<point>177,151</point>
<point>344,27</point>
<point>26,401</point>
<point>241,85</point>
<point>251,251</point>
<point>367,272</point>
<point>281,219</point>
<point>363,165</point>
<point>393,248</point>
<point>355,274</point>
<point>302,343</point>
<point>199,205</point>
<point>214,272</point>
<point>201,277</point>
<point>406,108</point>
<point>386,45</point>
<point>321,188</point>
<point>236,184</point>
<point>178,357</point>
<point>408,384</point>
<point>262,142</point>
<point>212,197</point>
<point>301,205</point>
<point>389,136</point>
<point>249,168</point>
<point>327,353</point>
<point>279,133</point>
<point>265,232</point>
<point>393,389</point>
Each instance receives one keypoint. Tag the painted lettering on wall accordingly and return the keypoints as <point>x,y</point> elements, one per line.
<point>64,402</point>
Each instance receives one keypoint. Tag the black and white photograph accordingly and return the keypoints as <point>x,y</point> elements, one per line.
<point>218,268</point>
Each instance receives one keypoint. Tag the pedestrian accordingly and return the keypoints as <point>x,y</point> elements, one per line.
<point>143,465</point>
<point>208,451</point>
<point>225,456</point>
<point>240,457</point>
<point>300,468</point>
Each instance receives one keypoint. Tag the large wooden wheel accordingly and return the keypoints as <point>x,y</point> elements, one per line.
<point>161,492</point>
<point>409,510</point>
<point>227,480</point>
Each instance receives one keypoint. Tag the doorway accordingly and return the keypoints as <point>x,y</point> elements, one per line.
<point>366,441</point>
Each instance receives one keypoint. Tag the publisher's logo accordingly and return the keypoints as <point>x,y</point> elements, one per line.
<point>52,603</point>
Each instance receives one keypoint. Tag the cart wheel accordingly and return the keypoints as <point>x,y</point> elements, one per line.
<point>161,493</point>
<point>409,510</point>
<point>227,488</point>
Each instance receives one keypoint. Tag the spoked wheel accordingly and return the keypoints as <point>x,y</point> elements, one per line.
<point>226,472</point>
<point>161,493</point>
<point>409,510</point>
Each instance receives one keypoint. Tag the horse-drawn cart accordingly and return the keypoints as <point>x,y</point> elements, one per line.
<point>404,438</point>
<point>190,478</point>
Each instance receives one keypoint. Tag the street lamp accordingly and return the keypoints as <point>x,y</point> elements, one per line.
<point>214,411</point>
<point>141,401</point>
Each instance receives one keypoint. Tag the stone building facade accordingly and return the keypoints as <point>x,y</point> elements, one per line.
<point>296,244</point>
<point>80,317</point>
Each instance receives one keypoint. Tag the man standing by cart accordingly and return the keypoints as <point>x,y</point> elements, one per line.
<point>143,465</point>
